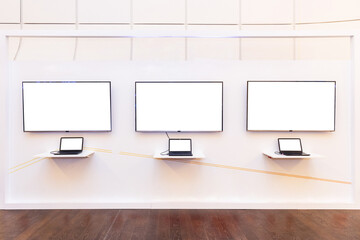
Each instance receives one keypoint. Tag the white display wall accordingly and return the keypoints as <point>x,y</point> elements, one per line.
<point>234,172</point>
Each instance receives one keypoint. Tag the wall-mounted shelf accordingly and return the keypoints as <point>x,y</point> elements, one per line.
<point>83,154</point>
<point>196,155</point>
<point>274,155</point>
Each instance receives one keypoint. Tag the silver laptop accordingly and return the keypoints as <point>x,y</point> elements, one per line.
<point>291,147</point>
<point>180,147</point>
<point>70,146</point>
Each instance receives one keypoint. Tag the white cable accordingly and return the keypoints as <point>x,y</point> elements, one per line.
<point>21,28</point>
<point>76,27</point>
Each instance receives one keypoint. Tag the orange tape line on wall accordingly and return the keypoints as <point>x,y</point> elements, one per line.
<point>135,155</point>
<point>202,164</point>
<point>241,169</point>
<point>24,163</point>
<point>263,171</point>
<point>98,149</point>
<point>28,165</point>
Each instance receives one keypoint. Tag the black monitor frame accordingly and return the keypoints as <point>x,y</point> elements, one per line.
<point>247,108</point>
<point>222,103</point>
<point>66,81</point>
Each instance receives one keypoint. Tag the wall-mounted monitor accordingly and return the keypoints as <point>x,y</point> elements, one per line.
<point>186,106</point>
<point>291,105</point>
<point>62,106</point>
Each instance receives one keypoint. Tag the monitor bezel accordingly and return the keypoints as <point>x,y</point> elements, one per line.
<point>65,81</point>
<point>290,130</point>
<point>222,106</point>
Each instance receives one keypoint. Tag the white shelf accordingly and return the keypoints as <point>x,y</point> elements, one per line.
<point>274,155</point>
<point>196,155</point>
<point>83,154</point>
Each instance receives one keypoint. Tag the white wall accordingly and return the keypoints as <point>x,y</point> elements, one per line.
<point>111,179</point>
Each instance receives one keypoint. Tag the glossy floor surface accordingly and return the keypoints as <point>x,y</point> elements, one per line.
<point>180,224</point>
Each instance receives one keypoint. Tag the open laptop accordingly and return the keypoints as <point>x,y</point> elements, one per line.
<point>291,147</point>
<point>70,146</point>
<point>180,147</point>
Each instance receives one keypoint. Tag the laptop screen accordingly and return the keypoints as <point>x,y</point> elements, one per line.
<point>71,144</point>
<point>179,145</point>
<point>290,144</point>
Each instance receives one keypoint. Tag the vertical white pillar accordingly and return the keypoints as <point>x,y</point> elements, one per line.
<point>4,118</point>
<point>355,75</point>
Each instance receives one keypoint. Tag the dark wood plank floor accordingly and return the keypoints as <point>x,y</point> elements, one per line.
<point>180,224</point>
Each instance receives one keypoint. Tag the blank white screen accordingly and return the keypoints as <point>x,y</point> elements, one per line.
<point>71,143</point>
<point>65,106</point>
<point>285,106</point>
<point>173,106</point>
<point>180,145</point>
<point>289,145</point>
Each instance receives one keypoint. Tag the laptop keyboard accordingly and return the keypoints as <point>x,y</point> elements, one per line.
<point>297,154</point>
<point>180,154</point>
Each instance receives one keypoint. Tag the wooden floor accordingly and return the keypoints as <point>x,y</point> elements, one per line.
<point>180,224</point>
